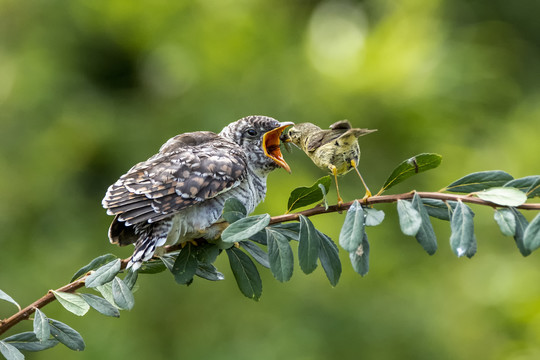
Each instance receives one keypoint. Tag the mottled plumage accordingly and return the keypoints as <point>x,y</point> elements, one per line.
<point>178,194</point>
<point>335,150</point>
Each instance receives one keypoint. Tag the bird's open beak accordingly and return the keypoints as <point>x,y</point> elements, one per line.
<point>271,142</point>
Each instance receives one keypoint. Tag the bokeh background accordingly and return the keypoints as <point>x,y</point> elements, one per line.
<point>90,87</point>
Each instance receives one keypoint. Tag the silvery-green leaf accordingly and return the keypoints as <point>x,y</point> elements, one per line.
<point>373,217</point>
<point>106,291</point>
<point>245,272</point>
<point>329,257</point>
<point>233,210</point>
<point>280,255</point>
<point>425,235</point>
<point>244,228</point>
<point>352,230</point>
<point>28,341</point>
<point>94,264</point>
<point>409,218</point>
<point>104,274</point>
<point>122,295</point>
<point>290,230</point>
<point>324,192</point>
<point>506,196</point>
<point>185,266</point>
<point>531,238</point>
<point>479,181</point>
<point>256,252</point>
<point>72,302</point>
<point>41,326</point>
<point>462,240</point>
<point>152,266</point>
<point>6,297</point>
<point>101,305</point>
<point>506,221</point>
<point>521,225</point>
<point>131,277</point>
<point>209,272</point>
<point>66,335</point>
<point>10,352</point>
<point>439,209</point>
<point>530,185</point>
<point>360,257</point>
<point>308,247</point>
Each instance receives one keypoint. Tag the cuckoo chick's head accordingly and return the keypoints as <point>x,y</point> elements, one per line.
<point>259,136</point>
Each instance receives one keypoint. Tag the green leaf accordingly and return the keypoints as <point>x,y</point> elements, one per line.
<point>131,277</point>
<point>521,226</point>
<point>409,218</point>
<point>244,228</point>
<point>185,265</point>
<point>324,192</point>
<point>207,253</point>
<point>410,167</point>
<point>28,341</point>
<point>462,240</point>
<point>122,295</point>
<point>66,335</point>
<point>101,305</point>
<point>290,230</point>
<point>256,252</point>
<point>152,266</point>
<point>506,221</point>
<point>352,230</point>
<point>373,217</point>
<point>209,272</point>
<point>94,264</point>
<point>104,274</point>
<point>506,196</point>
<point>308,247</point>
<point>246,274</point>
<point>41,326</point>
<point>10,352</point>
<point>280,255</point>
<point>304,196</point>
<point>530,185</point>
<point>106,291</point>
<point>439,209</point>
<point>360,257</point>
<point>233,210</point>
<point>425,235</point>
<point>479,181</point>
<point>6,297</point>
<point>531,238</point>
<point>72,302</point>
<point>329,256</point>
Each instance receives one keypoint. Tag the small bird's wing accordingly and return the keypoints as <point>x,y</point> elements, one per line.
<point>342,124</point>
<point>323,137</point>
<point>189,169</point>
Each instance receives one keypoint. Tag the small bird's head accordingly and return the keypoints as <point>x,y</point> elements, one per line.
<point>299,134</point>
<point>259,136</point>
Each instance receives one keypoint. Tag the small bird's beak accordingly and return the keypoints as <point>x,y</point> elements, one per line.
<point>271,141</point>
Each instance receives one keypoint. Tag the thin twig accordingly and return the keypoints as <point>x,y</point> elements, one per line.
<point>72,287</point>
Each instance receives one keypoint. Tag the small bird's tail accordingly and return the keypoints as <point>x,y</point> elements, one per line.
<point>357,132</point>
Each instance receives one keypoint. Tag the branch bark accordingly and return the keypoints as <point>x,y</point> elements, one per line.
<point>72,287</point>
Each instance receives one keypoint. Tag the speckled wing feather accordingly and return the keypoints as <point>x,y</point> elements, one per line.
<point>324,137</point>
<point>188,169</point>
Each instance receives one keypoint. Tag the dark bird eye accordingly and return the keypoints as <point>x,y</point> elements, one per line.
<point>251,132</point>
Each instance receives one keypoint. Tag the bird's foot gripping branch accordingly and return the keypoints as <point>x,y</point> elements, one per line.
<point>267,240</point>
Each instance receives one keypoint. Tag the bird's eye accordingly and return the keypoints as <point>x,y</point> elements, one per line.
<point>251,132</point>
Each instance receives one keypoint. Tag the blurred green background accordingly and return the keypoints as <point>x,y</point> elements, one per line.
<point>90,87</point>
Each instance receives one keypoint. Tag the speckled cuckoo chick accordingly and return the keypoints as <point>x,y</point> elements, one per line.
<point>178,194</point>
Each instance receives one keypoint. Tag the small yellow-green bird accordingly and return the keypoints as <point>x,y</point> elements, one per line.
<point>336,149</point>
